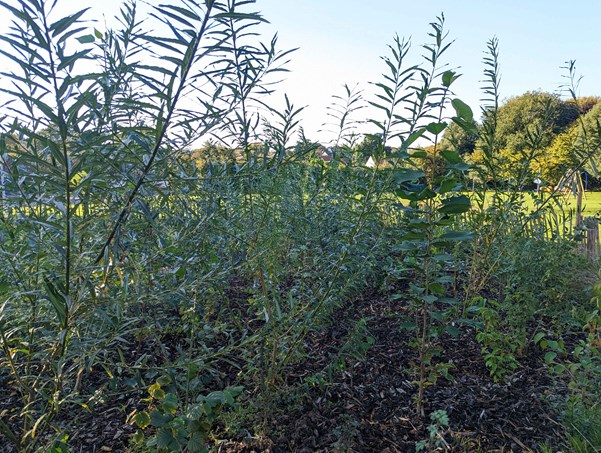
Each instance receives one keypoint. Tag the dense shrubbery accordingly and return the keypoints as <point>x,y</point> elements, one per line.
<point>136,270</point>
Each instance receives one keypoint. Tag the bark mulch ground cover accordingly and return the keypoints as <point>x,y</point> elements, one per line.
<point>369,405</point>
<point>366,404</point>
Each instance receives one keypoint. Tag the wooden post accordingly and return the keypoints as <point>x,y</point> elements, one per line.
<point>592,238</point>
<point>579,207</point>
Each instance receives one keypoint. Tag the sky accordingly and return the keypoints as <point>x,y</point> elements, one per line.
<point>341,41</point>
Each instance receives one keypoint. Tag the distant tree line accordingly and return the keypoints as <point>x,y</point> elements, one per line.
<point>537,129</point>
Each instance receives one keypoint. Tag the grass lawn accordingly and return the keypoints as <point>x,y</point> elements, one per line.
<point>591,203</point>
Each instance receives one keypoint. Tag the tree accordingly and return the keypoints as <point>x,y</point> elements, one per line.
<point>532,120</point>
<point>585,104</point>
<point>588,141</point>
<point>371,145</point>
<point>527,134</point>
<point>557,158</point>
<point>458,139</point>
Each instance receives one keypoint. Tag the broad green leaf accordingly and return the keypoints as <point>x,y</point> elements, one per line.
<point>455,205</point>
<point>406,174</point>
<point>458,236</point>
<point>164,439</point>
<point>463,110</point>
<point>419,154</point>
<point>159,419</point>
<point>196,443</point>
<point>468,126</point>
<point>460,167</point>
<point>410,326</point>
<point>437,315</point>
<point>469,322</point>
<point>538,337</point>
<point>452,331</point>
<point>448,77</point>
<point>550,356</point>
<point>413,235</point>
<point>156,392</point>
<point>408,246</point>
<point>437,289</point>
<point>406,195</point>
<point>429,299</point>
<point>436,128</point>
<point>449,185</point>
<point>142,419</point>
<point>451,157</point>
<point>426,194</point>
<point>170,403</point>
<point>448,300</point>
<point>138,437</point>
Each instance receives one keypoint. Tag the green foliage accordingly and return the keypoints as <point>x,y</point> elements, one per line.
<point>525,126</point>
<point>181,427</point>
<point>499,348</point>
<point>458,139</point>
<point>559,157</point>
<point>354,349</point>
<point>130,262</point>
<point>370,146</point>
<point>536,277</point>
<point>588,139</point>
<point>343,114</point>
<point>436,431</point>
<point>426,234</point>
<point>521,116</point>
<point>581,369</point>
<point>92,146</point>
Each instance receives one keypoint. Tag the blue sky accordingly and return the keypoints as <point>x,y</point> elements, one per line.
<point>341,41</point>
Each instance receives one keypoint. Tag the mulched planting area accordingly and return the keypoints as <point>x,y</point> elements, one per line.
<point>367,404</point>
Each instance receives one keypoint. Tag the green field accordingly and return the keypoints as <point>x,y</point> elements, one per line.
<point>591,203</point>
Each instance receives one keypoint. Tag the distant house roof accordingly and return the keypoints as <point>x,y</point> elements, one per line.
<point>324,154</point>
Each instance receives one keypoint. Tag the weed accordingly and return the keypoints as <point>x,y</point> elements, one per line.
<point>436,432</point>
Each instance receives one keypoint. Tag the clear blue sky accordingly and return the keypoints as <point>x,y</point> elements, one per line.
<point>341,41</point>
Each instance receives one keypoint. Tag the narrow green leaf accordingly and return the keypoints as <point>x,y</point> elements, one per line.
<point>86,39</point>
<point>63,24</point>
<point>58,301</point>
<point>239,16</point>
